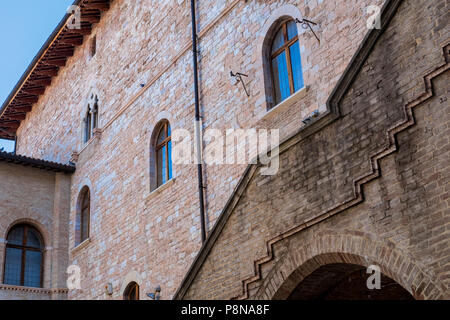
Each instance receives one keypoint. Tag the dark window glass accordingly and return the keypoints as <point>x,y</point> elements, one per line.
<point>84,216</point>
<point>33,268</point>
<point>131,292</point>
<point>13,266</point>
<point>24,257</point>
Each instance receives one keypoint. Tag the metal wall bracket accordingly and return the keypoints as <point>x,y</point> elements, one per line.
<point>238,77</point>
<point>306,24</point>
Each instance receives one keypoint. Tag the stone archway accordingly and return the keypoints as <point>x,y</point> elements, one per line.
<point>352,248</point>
<point>343,281</point>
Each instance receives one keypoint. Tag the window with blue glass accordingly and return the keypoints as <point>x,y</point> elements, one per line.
<point>286,62</point>
<point>163,154</point>
<point>24,257</point>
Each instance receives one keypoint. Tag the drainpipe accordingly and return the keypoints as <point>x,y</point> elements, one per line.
<point>198,123</point>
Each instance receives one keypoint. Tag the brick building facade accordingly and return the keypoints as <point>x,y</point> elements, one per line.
<point>362,182</point>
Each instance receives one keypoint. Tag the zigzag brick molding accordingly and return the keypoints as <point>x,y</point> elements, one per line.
<point>390,148</point>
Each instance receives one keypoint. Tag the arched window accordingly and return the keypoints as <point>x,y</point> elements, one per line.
<point>83,216</point>
<point>91,118</point>
<point>286,62</point>
<point>24,258</point>
<point>163,151</point>
<point>131,292</point>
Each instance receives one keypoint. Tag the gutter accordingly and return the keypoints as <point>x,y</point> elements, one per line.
<point>198,124</point>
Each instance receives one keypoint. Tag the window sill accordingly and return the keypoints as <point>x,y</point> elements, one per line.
<point>76,155</point>
<point>81,246</point>
<point>159,189</point>
<point>283,105</point>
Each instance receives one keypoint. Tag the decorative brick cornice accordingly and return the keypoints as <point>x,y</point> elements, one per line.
<point>42,291</point>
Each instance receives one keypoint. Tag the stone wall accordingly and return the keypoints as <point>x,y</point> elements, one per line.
<point>369,188</point>
<point>157,235</point>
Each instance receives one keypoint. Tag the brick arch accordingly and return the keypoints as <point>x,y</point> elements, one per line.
<point>361,250</point>
<point>35,224</point>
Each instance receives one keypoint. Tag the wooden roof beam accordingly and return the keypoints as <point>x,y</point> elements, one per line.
<point>27,99</point>
<point>47,72</point>
<point>21,109</point>
<point>55,62</point>
<point>90,18</point>
<point>41,82</point>
<point>17,116</point>
<point>103,6</point>
<point>34,91</point>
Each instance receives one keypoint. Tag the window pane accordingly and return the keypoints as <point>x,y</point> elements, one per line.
<point>159,159</point>
<point>13,266</point>
<point>33,239</point>
<point>170,159</point>
<point>296,62</point>
<point>95,116</point>
<point>85,224</point>
<point>88,127</point>
<point>281,78</point>
<point>15,236</point>
<point>278,41</point>
<point>162,136</point>
<point>291,30</point>
<point>164,165</point>
<point>32,276</point>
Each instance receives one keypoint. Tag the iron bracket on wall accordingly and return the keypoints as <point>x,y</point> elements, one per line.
<point>306,24</point>
<point>238,77</point>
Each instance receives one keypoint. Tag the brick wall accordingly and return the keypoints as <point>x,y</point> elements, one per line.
<point>158,235</point>
<point>39,198</point>
<point>313,213</point>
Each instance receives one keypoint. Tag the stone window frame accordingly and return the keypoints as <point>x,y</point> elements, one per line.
<point>153,185</point>
<point>286,49</point>
<point>132,288</point>
<point>91,119</point>
<point>79,240</point>
<point>266,103</point>
<point>132,277</point>
<point>93,46</point>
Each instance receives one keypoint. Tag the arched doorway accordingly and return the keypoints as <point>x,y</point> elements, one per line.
<point>131,292</point>
<point>342,281</point>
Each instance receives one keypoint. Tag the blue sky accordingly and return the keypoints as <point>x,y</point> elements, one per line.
<point>25,26</point>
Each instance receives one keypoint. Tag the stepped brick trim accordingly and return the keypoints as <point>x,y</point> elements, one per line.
<point>387,13</point>
<point>390,148</point>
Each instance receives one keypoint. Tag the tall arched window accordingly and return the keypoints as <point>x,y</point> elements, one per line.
<point>163,149</point>
<point>24,257</point>
<point>286,62</point>
<point>131,292</point>
<point>91,118</point>
<point>83,216</point>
